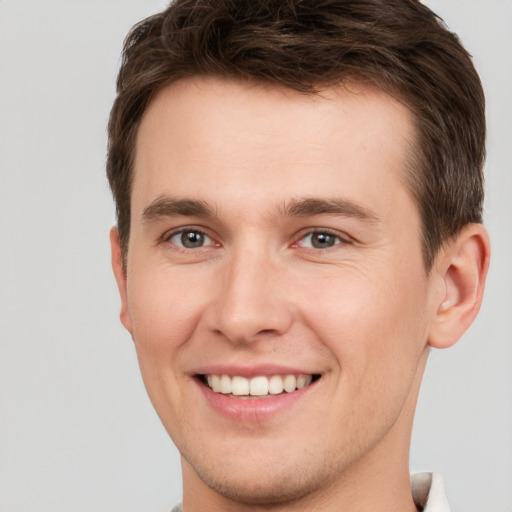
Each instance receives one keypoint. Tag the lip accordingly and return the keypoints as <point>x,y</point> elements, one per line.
<point>266,370</point>
<point>254,409</point>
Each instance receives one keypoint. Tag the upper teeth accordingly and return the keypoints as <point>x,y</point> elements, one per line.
<point>257,386</point>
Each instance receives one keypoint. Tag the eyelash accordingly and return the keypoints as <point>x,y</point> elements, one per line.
<point>169,236</point>
<point>339,239</point>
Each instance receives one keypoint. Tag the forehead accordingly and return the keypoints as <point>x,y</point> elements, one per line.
<point>225,140</point>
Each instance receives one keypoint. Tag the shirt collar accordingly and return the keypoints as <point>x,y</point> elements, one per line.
<point>428,492</point>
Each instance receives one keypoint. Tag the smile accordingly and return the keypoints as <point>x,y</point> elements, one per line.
<point>259,386</point>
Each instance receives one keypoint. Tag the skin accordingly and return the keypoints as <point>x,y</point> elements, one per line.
<point>361,313</point>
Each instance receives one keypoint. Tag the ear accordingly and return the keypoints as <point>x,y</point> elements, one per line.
<point>121,277</point>
<point>462,266</point>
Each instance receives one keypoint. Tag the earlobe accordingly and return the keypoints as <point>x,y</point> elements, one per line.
<point>120,275</point>
<point>462,265</point>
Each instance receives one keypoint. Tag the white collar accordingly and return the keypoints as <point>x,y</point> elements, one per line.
<point>428,492</point>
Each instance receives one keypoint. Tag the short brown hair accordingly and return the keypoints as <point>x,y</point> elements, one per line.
<point>400,46</point>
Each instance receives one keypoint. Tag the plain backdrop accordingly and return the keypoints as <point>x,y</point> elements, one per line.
<point>77,431</point>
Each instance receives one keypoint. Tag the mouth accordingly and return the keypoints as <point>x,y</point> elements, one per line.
<point>262,386</point>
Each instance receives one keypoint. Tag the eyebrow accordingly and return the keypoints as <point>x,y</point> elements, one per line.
<point>171,207</point>
<point>166,206</point>
<point>336,206</point>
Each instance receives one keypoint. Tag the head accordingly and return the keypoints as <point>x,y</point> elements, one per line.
<point>298,190</point>
<point>399,46</point>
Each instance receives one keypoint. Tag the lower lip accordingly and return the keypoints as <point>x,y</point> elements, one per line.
<point>253,410</point>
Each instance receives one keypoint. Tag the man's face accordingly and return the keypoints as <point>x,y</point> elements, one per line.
<point>272,236</point>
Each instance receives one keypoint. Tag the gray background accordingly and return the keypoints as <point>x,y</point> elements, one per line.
<point>77,432</point>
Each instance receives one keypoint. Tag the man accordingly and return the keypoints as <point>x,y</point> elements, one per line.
<point>299,193</point>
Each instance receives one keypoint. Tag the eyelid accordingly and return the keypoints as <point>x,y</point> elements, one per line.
<point>343,237</point>
<point>340,235</point>
<point>166,237</point>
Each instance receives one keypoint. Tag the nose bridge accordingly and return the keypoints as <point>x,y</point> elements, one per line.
<point>250,302</point>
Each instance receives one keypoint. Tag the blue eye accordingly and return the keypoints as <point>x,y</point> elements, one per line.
<point>190,239</point>
<point>320,240</point>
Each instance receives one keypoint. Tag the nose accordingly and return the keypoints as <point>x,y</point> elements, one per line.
<point>251,301</point>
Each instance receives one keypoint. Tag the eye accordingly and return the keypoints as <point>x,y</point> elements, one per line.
<point>190,239</point>
<point>320,240</point>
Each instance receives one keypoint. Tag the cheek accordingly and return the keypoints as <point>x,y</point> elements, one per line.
<point>373,327</point>
<point>375,319</point>
<point>165,306</point>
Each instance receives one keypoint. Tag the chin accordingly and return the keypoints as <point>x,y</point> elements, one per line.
<point>271,489</point>
<point>262,482</point>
